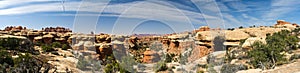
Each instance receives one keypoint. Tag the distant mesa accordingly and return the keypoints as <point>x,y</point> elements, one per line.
<point>15,28</point>
<point>203,28</point>
<point>56,29</point>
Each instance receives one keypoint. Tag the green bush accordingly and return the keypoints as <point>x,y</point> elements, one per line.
<point>56,44</point>
<point>267,56</point>
<point>113,66</point>
<point>5,58</point>
<point>241,27</point>
<point>168,58</point>
<point>10,43</point>
<point>82,63</point>
<point>65,47</point>
<point>161,66</point>
<point>38,43</point>
<point>26,63</point>
<point>47,48</point>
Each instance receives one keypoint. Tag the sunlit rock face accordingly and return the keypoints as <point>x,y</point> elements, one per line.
<point>248,42</point>
<point>150,56</point>
<point>103,38</point>
<point>284,24</point>
<point>198,52</point>
<point>48,38</point>
<point>202,28</point>
<point>104,50</point>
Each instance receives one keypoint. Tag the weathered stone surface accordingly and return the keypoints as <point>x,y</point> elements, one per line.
<point>251,40</point>
<point>198,52</point>
<point>104,50</point>
<point>150,56</point>
<point>284,24</point>
<point>235,35</point>
<point>261,31</point>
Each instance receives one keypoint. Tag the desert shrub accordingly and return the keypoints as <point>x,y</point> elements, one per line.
<point>65,47</point>
<point>26,63</point>
<point>242,41</point>
<point>169,58</point>
<point>264,56</point>
<point>56,44</point>
<point>161,66</point>
<point>38,43</point>
<point>283,40</point>
<point>230,29</point>
<point>113,66</point>
<point>47,48</point>
<point>241,27</point>
<point>5,58</point>
<point>10,43</point>
<point>88,64</point>
<point>231,68</point>
<point>82,63</point>
<point>108,68</point>
<point>267,56</point>
<point>200,71</point>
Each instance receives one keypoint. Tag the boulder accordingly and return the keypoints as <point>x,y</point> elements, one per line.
<point>248,42</point>
<point>208,35</point>
<point>235,35</point>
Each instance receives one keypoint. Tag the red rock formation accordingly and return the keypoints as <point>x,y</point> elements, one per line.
<point>203,28</point>
<point>103,38</point>
<point>199,52</point>
<point>173,46</point>
<point>282,22</point>
<point>15,28</point>
<point>203,50</point>
<point>104,50</point>
<point>150,56</point>
<point>56,29</point>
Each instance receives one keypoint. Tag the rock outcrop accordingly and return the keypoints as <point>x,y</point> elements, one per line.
<point>284,24</point>
<point>56,29</point>
<point>15,28</point>
<point>249,42</point>
<point>150,56</point>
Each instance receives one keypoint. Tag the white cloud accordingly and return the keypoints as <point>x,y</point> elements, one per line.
<point>157,9</point>
<point>160,10</point>
<point>281,7</point>
<point>7,3</point>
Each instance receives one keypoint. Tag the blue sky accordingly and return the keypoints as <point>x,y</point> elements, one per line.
<point>145,16</point>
